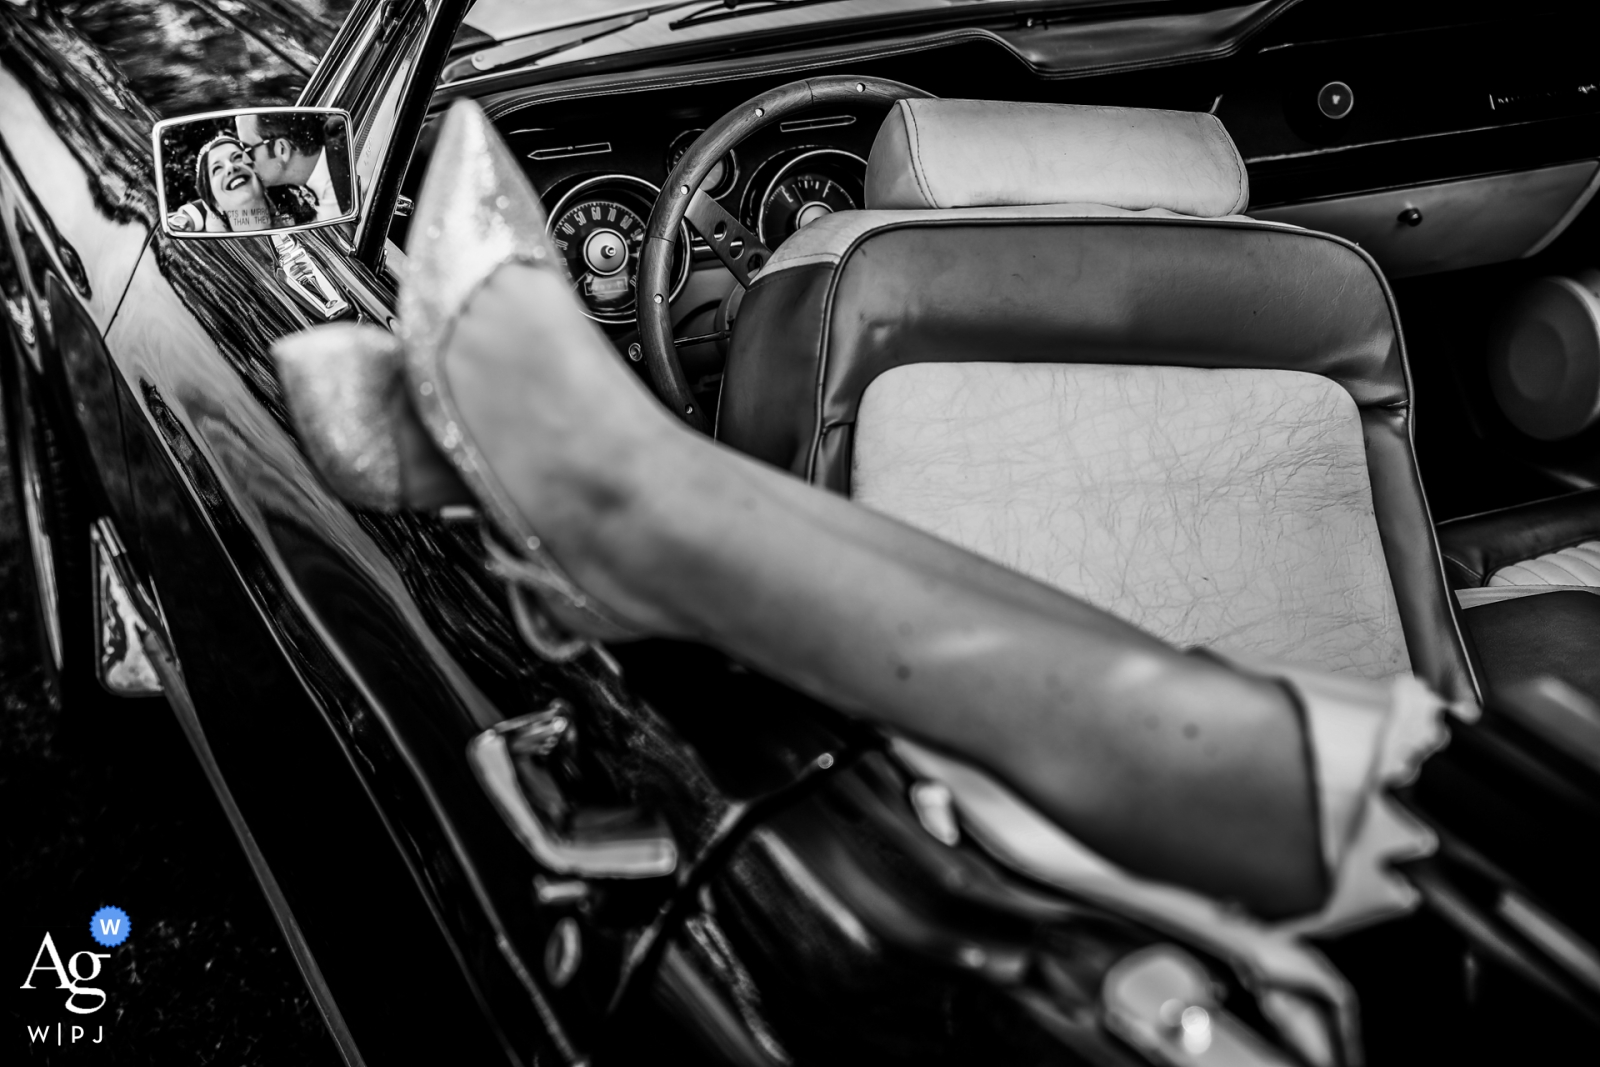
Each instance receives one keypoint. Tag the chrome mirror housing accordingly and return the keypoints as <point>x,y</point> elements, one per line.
<point>255,171</point>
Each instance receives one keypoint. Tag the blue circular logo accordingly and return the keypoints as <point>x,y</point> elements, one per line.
<point>109,927</point>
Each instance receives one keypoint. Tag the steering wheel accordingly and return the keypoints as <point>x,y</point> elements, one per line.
<point>739,250</point>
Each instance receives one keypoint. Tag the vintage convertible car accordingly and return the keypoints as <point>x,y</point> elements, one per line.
<point>478,854</point>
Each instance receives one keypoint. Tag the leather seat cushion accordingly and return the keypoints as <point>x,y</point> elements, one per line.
<point>984,153</point>
<point>1576,565</point>
<point>1228,508</point>
<point>875,292</point>
<point>1479,549</point>
<point>1550,634</point>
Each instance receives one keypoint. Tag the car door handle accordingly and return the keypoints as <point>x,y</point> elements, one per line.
<point>512,760</point>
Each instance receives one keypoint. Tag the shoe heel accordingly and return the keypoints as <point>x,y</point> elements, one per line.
<point>343,384</point>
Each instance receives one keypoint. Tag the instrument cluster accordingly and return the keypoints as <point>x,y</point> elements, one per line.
<point>598,227</point>
<point>806,188</point>
<point>601,194</point>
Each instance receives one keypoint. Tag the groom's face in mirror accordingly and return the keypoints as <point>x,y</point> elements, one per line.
<point>275,158</point>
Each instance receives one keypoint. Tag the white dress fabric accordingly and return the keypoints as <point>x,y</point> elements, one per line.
<point>321,185</point>
<point>1367,737</point>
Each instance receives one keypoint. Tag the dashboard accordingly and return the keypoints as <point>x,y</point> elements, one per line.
<point>599,175</point>
<point>1473,124</point>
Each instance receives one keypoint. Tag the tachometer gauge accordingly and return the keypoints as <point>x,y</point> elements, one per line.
<point>801,199</point>
<point>810,186</point>
<point>724,172</point>
<point>598,227</point>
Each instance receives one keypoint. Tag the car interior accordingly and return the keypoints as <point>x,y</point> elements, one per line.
<point>1453,144</point>
<point>1272,329</point>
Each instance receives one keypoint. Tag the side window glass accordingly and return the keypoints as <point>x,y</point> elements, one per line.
<point>373,140</point>
<point>181,58</point>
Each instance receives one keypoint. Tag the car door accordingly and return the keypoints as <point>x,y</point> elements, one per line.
<point>333,667</point>
<point>78,196</point>
<point>338,815</point>
<point>74,218</point>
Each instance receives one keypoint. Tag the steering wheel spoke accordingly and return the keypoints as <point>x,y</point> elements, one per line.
<point>739,250</point>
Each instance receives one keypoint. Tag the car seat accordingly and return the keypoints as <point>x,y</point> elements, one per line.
<point>1052,338</point>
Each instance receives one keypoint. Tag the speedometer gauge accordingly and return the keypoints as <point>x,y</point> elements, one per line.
<point>808,187</point>
<point>600,241</point>
<point>598,227</point>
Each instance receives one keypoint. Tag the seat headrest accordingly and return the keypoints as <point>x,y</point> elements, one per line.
<point>988,153</point>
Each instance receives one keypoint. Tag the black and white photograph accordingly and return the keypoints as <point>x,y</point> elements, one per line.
<point>799,533</point>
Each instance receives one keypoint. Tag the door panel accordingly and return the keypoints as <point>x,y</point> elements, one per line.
<point>75,208</point>
<point>243,538</point>
<point>92,226</point>
<point>339,662</point>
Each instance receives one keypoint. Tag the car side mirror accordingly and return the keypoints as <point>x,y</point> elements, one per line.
<point>256,171</point>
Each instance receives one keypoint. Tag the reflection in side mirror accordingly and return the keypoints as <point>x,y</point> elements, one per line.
<point>256,170</point>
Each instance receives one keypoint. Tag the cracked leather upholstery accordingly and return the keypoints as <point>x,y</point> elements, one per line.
<point>1223,508</point>
<point>1039,294</point>
<point>1201,425</point>
<point>984,153</point>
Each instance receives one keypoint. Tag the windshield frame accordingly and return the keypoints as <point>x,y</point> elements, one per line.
<point>741,31</point>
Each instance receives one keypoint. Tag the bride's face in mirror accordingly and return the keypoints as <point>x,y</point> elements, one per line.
<point>236,189</point>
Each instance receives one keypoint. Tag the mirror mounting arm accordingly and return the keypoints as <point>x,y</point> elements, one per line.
<point>306,281</point>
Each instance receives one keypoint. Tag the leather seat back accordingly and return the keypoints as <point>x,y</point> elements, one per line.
<point>1200,424</point>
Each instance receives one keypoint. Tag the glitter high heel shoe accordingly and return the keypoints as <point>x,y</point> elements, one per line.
<point>346,392</point>
<point>476,212</point>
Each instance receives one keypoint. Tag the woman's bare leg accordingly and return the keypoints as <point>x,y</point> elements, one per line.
<point>1173,766</point>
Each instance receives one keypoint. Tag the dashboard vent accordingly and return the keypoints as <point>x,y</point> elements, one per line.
<point>822,122</point>
<point>598,148</point>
